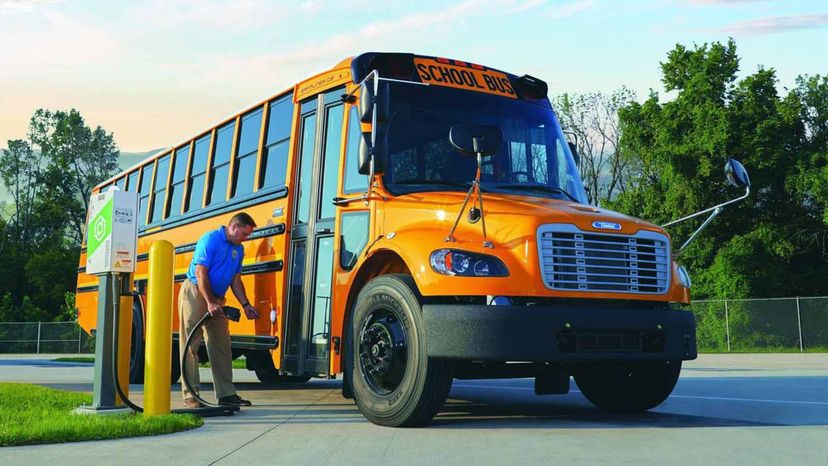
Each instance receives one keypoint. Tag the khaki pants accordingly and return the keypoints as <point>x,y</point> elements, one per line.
<point>191,308</point>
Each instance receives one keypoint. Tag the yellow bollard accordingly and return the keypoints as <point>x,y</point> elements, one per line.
<point>124,341</point>
<point>159,329</point>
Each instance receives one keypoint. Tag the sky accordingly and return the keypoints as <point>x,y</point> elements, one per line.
<point>156,72</point>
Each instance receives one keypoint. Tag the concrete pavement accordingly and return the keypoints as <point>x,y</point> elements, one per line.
<point>727,409</point>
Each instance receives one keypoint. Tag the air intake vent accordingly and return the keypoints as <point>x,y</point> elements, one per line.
<point>575,260</point>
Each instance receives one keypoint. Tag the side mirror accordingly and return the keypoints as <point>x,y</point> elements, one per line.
<point>370,103</point>
<point>574,149</point>
<point>365,151</point>
<point>736,174</point>
<point>476,139</point>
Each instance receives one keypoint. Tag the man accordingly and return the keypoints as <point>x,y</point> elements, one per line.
<point>216,266</point>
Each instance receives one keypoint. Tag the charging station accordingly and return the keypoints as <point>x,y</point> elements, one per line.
<point>112,236</point>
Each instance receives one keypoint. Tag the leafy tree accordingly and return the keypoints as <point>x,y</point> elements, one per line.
<point>593,119</point>
<point>50,177</point>
<point>755,248</point>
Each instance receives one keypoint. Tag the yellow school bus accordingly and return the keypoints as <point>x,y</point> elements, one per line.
<point>420,219</point>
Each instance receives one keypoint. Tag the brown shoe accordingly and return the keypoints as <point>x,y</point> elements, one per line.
<point>192,403</point>
<point>234,400</point>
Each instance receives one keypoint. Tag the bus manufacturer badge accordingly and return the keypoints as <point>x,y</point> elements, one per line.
<point>606,226</point>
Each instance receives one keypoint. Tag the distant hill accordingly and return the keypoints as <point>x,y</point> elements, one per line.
<point>129,159</point>
<point>125,160</point>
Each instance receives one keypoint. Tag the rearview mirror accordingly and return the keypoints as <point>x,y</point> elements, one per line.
<point>365,151</point>
<point>574,149</point>
<point>370,103</point>
<point>736,174</point>
<point>476,139</point>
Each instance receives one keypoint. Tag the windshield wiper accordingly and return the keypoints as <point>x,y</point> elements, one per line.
<point>537,187</point>
<point>435,182</point>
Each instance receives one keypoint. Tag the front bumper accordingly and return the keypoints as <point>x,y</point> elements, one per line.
<point>558,333</point>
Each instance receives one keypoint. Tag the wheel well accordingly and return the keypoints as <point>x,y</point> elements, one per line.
<point>382,262</point>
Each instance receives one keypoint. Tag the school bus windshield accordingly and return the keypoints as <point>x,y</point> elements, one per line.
<point>534,158</point>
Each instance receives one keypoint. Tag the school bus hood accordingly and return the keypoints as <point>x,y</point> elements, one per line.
<point>507,216</point>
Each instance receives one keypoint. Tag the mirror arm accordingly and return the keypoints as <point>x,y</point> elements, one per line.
<point>747,192</point>
<point>716,212</point>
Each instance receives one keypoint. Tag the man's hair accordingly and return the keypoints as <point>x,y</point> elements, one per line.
<point>242,218</point>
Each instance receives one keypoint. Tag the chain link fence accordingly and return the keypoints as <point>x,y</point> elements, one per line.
<point>44,337</point>
<point>767,325</point>
<point>727,325</point>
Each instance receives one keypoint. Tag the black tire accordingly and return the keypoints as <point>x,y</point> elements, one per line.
<point>394,382</point>
<point>628,387</point>
<point>136,346</point>
<point>261,363</point>
<point>175,363</point>
<point>136,351</point>
<point>347,360</point>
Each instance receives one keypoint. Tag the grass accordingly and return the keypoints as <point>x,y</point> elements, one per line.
<point>31,415</point>
<point>89,359</point>
<point>237,364</point>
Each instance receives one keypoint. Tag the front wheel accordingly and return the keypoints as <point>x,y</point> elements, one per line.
<point>628,387</point>
<point>394,381</point>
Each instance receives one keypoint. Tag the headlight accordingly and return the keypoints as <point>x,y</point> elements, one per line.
<point>467,264</point>
<point>684,277</point>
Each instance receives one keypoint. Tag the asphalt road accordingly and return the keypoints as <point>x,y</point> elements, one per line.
<point>726,409</point>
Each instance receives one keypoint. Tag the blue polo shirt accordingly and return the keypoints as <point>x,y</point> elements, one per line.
<point>222,258</point>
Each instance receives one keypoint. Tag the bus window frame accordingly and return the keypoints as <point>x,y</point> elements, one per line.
<point>154,192</point>
<point>236,161</point>
<point>168,214</point>
<point>293,131</point>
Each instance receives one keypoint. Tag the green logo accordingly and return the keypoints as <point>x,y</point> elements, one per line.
<point>100,227</point>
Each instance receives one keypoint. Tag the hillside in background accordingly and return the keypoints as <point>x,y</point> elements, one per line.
<point>125,160</point>
<point>129,159</point>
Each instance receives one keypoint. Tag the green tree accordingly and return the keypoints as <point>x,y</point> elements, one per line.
<point>753,249</point>
<point>50,177</point>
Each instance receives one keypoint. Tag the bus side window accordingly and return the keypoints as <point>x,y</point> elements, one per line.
<point>182,155</point>
<point>220,171</point>
<point>159,198</point>
<point>245,169</point>
<point>354,238</point>
<point>354,182</point>
<point>121,183</point>
<point>198,172</point>
<point>144,192</point>
<point>275,154</point>
<point>133,182</point>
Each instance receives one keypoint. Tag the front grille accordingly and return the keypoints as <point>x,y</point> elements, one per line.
<point>575,260</point>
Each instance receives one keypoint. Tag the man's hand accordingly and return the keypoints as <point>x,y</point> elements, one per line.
<point>215,308</point>
<point>250,312</point>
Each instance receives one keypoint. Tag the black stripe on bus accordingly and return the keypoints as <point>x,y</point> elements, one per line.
<point>271,230</point>
<point>189,247</point>
<point>261,267</point>
<point>209,212</point>
<point>272,266</point>
<point>81,269</point>
<point>85,289</point>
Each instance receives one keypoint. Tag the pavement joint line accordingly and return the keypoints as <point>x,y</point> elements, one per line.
<point>285,421</point>
<point>751,400</point>
<point>715,398</point>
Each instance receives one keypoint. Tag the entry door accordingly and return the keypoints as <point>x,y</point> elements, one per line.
<point>307,335</point>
